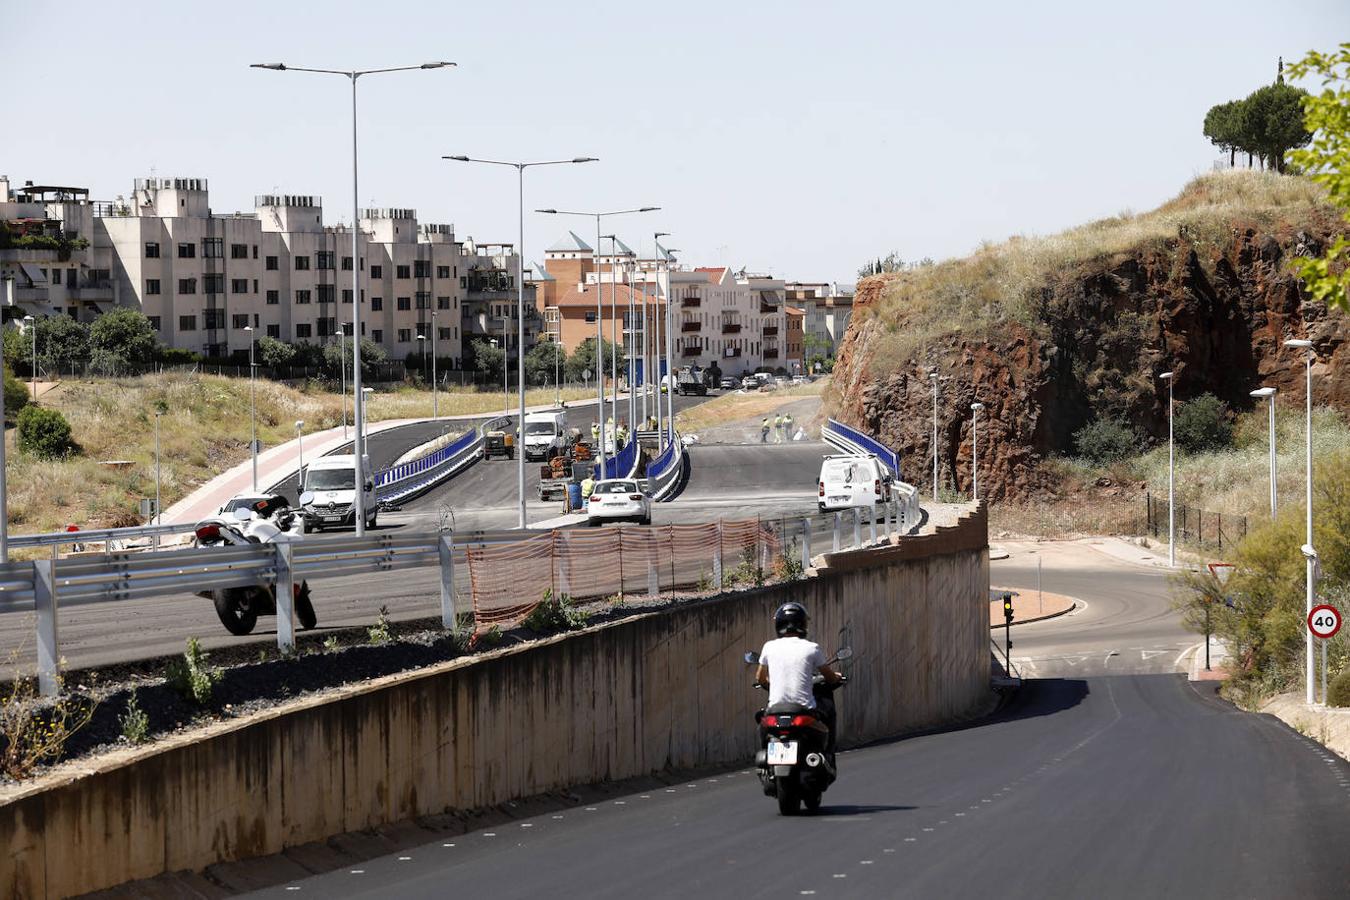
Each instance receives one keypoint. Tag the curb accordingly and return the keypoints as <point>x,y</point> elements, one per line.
<point>1076,605</point>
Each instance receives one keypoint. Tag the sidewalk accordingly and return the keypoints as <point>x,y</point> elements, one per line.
<point>1154,556</point>
<point>281,462</point>
<point>1029,607</point>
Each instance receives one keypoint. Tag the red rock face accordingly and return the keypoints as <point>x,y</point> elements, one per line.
<point>1217,316</point>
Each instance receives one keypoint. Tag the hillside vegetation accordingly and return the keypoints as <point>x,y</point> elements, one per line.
<point>204,431</point>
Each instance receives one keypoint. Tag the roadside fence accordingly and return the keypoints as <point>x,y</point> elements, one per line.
<point>1193,524</point>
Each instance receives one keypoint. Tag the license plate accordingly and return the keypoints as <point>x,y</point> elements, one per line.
<point>332,518</point>
<point>782,753</point>
<point>838,499</point>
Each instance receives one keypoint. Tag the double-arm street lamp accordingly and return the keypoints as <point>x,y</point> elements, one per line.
<point>1309,554</point>
<point>358,408</point>
<point>1169,377</point>
<point>520,168</point>
<point>599,312</point>
<point>252,407</point>
<point>1268,393</point>
<point>975,450</point>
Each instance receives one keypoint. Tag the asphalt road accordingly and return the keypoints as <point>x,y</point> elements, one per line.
<point>1108,780</point>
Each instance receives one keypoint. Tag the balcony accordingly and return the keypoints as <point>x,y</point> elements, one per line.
<point>688,327</point>
<point>770,352</point>
<point>93,291</point>
<point>691,351</point>
<point>731,327</point>
<point>770,330</point>
<point>691,302</point>
<point>731,352</point>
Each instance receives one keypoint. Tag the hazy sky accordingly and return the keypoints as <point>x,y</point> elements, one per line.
<point>796,138</point>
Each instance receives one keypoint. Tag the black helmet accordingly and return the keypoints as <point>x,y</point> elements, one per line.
<point>790,618</point>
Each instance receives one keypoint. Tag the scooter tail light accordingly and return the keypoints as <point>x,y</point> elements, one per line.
<point>208,533</point>
<point>802,721</point>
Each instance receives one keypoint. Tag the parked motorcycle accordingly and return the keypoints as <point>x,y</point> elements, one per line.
<point>796,764</point>
<point>268,521</point>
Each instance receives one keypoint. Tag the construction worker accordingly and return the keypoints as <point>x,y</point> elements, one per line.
<point>778,429</point>
<point>764,431</point>
<point>587,488</point>
<point>620,436</point>
<point>595,432</point>
<point>787,425</point>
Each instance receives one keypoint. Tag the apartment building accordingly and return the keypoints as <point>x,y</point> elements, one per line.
<point>827,308</point>
<point>210,282</point>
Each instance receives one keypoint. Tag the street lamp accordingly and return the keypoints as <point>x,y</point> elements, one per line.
<point>300,449</point>
<point>934,375</point>
<point>1171,476</point>
<point>252,407</point>
<point>365,397</point>
<point>599,310</point>
<point>975,450</point>
<point>32,325</point>
<point>159,519</point>
<point>520,168</point>
<point>655,386</point>
<point>670,350</point>
<point>342,368</point>
<point>1269,394</point>
<point>1309,554</point>
<point>493,341</point>
<point>358,412</point>
<point>435,407</point>
<point>422,352</point>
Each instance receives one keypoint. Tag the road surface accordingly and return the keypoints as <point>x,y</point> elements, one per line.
<point>1105,777</point>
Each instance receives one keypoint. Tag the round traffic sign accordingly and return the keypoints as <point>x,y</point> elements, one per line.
<point>1324,621</point>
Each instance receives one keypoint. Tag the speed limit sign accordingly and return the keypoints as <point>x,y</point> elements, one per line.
<point>1324,621</point>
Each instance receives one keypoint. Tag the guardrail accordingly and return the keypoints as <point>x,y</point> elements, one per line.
<point>408,479</point>
<point>620,465</point>
<point>664,472</point>
<point>851,440</point>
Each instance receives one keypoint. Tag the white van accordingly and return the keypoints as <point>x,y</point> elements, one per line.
<point>545,434</point>
<point>328,496</point>
<point>852,480</point>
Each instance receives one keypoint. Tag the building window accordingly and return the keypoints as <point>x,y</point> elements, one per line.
<point>376,304</point>
<point>377,335</point>
<point>213,318</point>
<point>324,259</point>
<point>405,335</point>
<point>346,263</point>
<point>240,321</point>
<point>151,286</point>
<point>346,295</point>
<point>302,296</point>
<point>274,331</point>
<point>270,264</point>
<point>302,263</point>
<point>152,249</point>
<point>213,283</point>
<point>404,304</point>
<point>239,251</point>
<point>402,272</point>
<point>238,285</point>
<point>327,327</point>
<point>376,271</point>
<point>303,330</point>
<point>421,268</point>
<point>154,322</point>
<point>187,285</point>
<point>442,302</point>
<point>327,293</point>
<point>464,281</point>
<point>187,323</point>
<point>442,271</point>
<point>424,300</point>
<point>255,251</point>
<point>590,316</point>
<point>255,285</point>
<point>273,298</point>
<point>213,248</point>
<point>187,251</point>
<point>443,333</point>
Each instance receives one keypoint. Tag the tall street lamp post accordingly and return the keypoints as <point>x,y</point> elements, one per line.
<point>435,406</point>
<point>664,269</point>
<point>934,375</point>
<point>975,450</point>
<point>599,312</point>
<point>252,406</point>
<point>358,403</point>
<point>159,519</point>
<point>342,368</point>
<point>520,168</point>
<point>1269,394</point>
<point>32,326</point>
<point>1309,554</point>
<point>656,335</point>
<point>300,451</point>
<point>1171,475</point>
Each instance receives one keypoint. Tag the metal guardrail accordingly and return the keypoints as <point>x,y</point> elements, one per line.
<point>664,472</point>
<point>403,481</point>
<point>851,440</point>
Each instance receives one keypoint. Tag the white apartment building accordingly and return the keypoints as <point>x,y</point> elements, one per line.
<point>203,278</point>
<point>828,306</point>
<point>734,319</point>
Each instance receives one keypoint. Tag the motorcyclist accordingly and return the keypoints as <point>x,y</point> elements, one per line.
<point>788,665</point>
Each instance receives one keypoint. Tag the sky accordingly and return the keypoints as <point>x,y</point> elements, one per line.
<point>798,139</point>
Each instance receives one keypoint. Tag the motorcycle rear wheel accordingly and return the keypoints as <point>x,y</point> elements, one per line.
<point>789,796</point>
<point>238,616</point>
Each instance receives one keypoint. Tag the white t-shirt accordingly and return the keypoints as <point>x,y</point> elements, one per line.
<point>792,663</point>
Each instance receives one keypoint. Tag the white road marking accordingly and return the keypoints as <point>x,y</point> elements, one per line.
<point>1182,655</point>
<point>1149,654</point>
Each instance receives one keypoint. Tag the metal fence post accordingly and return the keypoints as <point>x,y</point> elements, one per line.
<point>48,639</point>
<point>885,521</point>
<point>806,543</point>
<point>898,517</point>
<point>285,591</point>
<point>872,523</point>
<point>717,558</point>
<point>446,546</point>
<point>563,558</point>
<point>837,516</point>
<point>653,582</point>
<point>857,527</point>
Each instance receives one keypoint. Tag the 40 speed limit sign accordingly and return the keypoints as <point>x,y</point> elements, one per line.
<point>1324,621</point>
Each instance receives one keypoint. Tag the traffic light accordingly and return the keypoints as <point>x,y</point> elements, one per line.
<point>1007,608</point>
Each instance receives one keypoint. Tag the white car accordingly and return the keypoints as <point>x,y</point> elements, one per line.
<point>242,501</point>
<point>618,498</point>
<point>847,481</point>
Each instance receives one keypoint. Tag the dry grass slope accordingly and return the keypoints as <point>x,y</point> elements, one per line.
<point>1001,282</point>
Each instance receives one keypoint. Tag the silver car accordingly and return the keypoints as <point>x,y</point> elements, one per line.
<point>618,498</point>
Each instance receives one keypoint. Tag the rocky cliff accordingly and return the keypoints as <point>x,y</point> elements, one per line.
<point>1087,336</point>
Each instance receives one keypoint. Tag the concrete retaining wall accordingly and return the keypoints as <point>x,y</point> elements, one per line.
<point>666,690</point>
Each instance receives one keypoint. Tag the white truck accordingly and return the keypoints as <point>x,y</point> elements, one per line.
<point>545,434</point>
<point>328,494</point>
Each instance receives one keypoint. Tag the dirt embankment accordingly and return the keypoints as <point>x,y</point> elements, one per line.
<point>1099,334</point>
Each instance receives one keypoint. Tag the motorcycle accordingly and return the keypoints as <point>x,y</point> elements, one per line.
<point>797,764</point>
<point>268,521</point>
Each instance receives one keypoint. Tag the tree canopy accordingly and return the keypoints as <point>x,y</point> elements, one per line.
<point>1327,161</point>
<point>1266,124</point>
<point>121,341</point>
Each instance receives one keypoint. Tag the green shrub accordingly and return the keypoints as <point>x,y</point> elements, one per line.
<point>1338,691</point>
<point>555,614</point>
<point>191,676</point>
<point>1104,441</point>
<point>135,723</point>
<point>380,633</point>
<point>16,395</point>
<point>1204,423</point>
<point>44,433</point>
